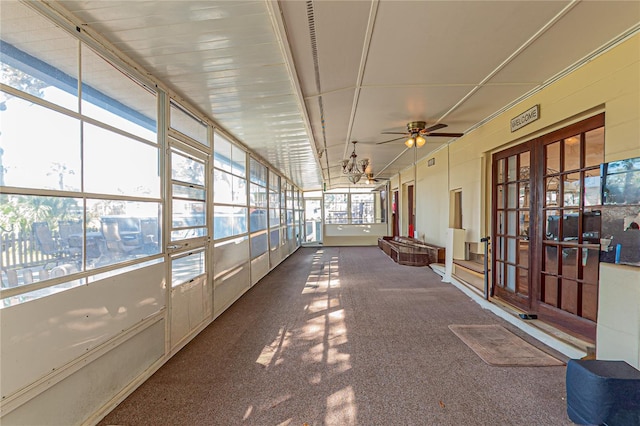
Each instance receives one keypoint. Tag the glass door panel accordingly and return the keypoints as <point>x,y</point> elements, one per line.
<point>191,293</point>
<point>511,226</point>
<point>313,220</point>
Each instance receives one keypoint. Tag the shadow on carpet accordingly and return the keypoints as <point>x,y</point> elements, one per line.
<point>499,347</point>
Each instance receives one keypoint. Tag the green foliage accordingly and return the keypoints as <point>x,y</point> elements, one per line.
<point>18,212</point>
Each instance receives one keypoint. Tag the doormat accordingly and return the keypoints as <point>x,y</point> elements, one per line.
<point>498,346</point>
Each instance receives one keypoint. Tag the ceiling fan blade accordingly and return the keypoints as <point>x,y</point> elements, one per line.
<point>446,135</point>
<point>391,140</point>
<point>394,133</point>
<point>435,127</point>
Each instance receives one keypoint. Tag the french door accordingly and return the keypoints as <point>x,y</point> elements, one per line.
<point>546,225</point>
<point>512,194</point>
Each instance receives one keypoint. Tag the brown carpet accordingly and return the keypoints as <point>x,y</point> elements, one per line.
<point>498,346</point>
<point>344,336</point>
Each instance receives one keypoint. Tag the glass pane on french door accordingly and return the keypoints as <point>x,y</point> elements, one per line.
<point>572,220</point>
<point>513,201</point>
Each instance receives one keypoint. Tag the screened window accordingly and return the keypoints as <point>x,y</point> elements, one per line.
<point>258,197</point>
<point>54,80</point>
<point>132,166</point>
<point>230,192</point>
<point>58,163</point>
<point>258,172</point>
<point>336,208</point>
<point>189,207</point>
<point>112,98</point>
<point>94,186</point>
<point>362,208</point>
<point>274,200</point>
<point>185,268</point>
<point>188,125</point>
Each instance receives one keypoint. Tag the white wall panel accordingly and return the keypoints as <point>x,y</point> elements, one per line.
<point>86,391</point>
<point>187,308</point>
<point>275,257</point>
<point>354,235</point>
<point>259,268</point>
<point>45,334</point>
<point>374,229</point>
<point>229,254</point>
<point>229,287</point>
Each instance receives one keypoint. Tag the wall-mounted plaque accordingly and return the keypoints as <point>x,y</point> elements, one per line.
<point>527,117</point>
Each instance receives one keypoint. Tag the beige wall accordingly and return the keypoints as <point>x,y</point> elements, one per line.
<point>353,235</point>
<point>618,331</point>
<point>609,83</point>
<point>432,203</point>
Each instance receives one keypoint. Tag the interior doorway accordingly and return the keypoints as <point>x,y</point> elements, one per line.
<point>411,211</point>
<point>394,215</point>
<point>546,225</point>
<point>313,221</point>
<point>456,201</point>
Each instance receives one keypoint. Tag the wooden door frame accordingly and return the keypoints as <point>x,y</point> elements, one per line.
<point>525,303</point>
<point>571,323</point>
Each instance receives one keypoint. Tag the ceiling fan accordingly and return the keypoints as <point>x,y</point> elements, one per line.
<point>417,131</point>
<point>371,180</point>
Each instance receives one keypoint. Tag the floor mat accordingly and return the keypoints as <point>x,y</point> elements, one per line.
<point>498,346</point>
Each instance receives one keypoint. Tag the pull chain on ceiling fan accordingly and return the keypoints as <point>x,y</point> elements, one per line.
<point>416,133</point>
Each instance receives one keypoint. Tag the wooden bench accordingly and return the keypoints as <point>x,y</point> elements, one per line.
<point>409,251</point>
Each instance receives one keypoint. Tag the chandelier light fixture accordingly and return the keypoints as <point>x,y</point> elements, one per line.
<point>353,168</point>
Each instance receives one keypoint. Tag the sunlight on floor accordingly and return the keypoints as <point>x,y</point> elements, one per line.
<point>268,353</point>
<point>341,407</point>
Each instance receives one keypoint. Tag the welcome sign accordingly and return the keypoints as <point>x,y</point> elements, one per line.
<point>527,117</point>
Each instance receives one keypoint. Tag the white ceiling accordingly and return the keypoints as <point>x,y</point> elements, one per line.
<point>251,66</point>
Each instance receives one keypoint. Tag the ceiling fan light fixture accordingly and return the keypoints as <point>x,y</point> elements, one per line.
<point>409,142</point>
<point>420,141</point>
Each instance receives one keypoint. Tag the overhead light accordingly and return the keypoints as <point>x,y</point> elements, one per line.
<point>352,167</point>
<point>420,141</point>
<point>354,178</point>
<point>409,142</point>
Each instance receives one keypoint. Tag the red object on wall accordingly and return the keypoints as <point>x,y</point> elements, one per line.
<point>411,230</point>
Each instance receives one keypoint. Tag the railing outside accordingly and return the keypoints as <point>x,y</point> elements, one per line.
<point>19,250</point>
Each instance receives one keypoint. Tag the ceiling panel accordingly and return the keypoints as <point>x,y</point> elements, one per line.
<point>448,42</point>
<point>483,102</point>
<point>297,32</point>
<point>337,113</point>
<point>455,61</point>
<point>401,105</point>
<point>341,25</point>
<point>573,37</point>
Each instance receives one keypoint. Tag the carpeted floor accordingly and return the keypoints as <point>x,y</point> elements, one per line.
<point>345,336</point>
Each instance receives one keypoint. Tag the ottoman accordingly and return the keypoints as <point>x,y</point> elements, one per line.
<point>603,392</point>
